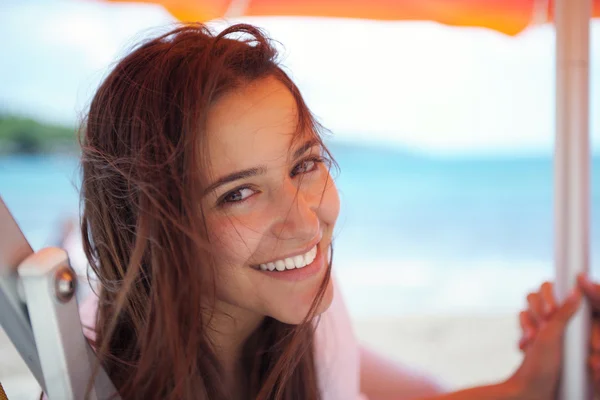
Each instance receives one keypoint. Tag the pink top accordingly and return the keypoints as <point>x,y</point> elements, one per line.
<point>337,355</point>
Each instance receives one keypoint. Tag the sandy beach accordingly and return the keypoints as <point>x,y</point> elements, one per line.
<point>459,350</point>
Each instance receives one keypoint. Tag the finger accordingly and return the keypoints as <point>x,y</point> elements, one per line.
<point>590,289</point>
<point>596,382</point>
<point>536,308</point>
<point>564,312</point>
<point>595,337</point>
<point>524,343</point>
<point>594,363</point>
<point>547,292</point>
<point>527,323</point>
<point>595,372</point>
<point>528,329</point>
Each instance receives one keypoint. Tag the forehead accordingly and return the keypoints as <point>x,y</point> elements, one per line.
<point>250,126</point>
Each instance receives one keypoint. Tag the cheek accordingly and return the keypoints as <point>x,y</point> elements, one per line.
<point>233,240</point>
<point>329,208</point>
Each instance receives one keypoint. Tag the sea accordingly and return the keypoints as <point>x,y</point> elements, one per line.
<point>417,233</point>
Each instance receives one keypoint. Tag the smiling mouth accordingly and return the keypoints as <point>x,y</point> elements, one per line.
<point>296,262</point>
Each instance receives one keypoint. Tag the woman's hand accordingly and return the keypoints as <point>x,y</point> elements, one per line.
<point>543,326</point>
<point>591,291</point>
<point>537,377</point>
<point>541,306</point>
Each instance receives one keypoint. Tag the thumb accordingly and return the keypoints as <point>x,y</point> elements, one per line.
<point>567,309</point>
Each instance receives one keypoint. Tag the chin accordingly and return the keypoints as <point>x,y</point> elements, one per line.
<point>326,300</point>
<point>296,315</point>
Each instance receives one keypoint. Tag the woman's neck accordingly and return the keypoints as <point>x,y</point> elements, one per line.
<point>229,329</point>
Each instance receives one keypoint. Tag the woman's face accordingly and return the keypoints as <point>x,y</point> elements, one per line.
<point>271,206</point>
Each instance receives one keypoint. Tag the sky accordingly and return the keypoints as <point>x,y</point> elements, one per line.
<point>419,85</point>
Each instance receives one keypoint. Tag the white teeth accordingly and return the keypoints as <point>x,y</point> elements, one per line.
<point>289,263</point>
<point>310,256</point>
<point>299,261</point>
<point>280,265</point>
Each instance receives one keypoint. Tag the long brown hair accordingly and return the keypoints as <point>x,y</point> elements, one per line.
<point>143,229</point>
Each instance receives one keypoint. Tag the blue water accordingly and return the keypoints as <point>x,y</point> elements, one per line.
<point>454,208</point>
<point>40,191</point>
<point>416,233</point>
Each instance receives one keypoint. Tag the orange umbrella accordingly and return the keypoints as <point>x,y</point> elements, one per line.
<point>506,16</point>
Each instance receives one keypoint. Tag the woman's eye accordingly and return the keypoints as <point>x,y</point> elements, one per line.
<point>305,166</point>
<point>237,195</point>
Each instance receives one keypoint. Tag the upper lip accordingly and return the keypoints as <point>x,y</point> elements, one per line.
<point>305,250</point>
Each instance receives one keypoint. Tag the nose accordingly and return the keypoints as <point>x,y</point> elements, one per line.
<point>296,217</point>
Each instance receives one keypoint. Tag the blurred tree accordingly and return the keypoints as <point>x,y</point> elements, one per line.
<point>26,135</point>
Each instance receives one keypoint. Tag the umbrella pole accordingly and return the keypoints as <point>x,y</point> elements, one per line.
<point>572,169</point>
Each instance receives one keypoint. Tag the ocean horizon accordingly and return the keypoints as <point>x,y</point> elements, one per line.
<point>417,233</point>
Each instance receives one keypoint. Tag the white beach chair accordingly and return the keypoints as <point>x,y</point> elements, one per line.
<point>38,311</point>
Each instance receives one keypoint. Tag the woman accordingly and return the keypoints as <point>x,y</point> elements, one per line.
<point>208,215</point>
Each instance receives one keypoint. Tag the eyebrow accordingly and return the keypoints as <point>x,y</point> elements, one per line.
<point>236,176</point>
<point>305,147</point>
<point>260,170</point>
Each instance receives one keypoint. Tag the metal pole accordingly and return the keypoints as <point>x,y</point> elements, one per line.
<point>572,169</point>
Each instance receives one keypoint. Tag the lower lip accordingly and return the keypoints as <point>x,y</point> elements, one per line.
<point>299,274</point>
